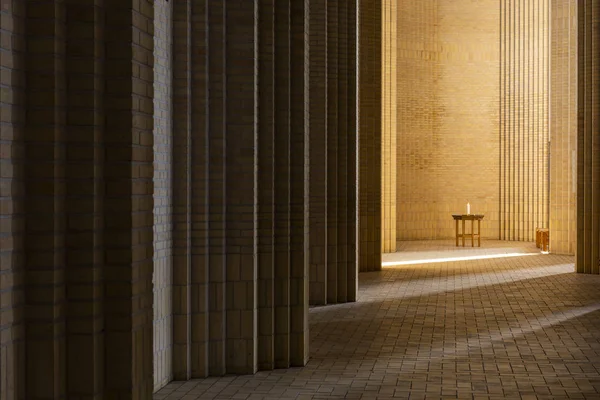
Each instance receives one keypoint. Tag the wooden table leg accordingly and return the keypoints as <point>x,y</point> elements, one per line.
<point>463,233</point>
<point>456,233</point>
<point>478,233</point>
<point>472,233</point>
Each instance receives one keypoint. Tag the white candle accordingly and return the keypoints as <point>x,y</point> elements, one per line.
<point>468,209</point>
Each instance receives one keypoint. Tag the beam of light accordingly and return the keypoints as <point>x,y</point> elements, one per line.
<point>452,259</point>
<point>484,341</point>
<point>407,289</point>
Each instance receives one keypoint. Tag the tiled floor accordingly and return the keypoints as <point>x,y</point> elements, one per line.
<point>498,322</point>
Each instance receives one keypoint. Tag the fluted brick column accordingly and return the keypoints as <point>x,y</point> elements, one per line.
<point>84,198</point>
<point>89,204</point>
<point>12,200</point>
<point>332,151</point>
<point>282,182</point>
<point>216,189</point>
<point>45,203</point>
<point>342,152</point>
<point>318,151</point>
<point>182,199</point>
<point>203,307</point>
<point>588,139</point>
<point>240,128</point>
<point>265,182</point>
<point>299,165</point>
<point>253,314</point>
<point>128,203</point>
<point>389,132</point>
<point>369,93</point>
<point>352,167</point>
<point>563,127</point>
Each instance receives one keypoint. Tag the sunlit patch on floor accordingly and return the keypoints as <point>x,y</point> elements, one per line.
<point>452,259</point>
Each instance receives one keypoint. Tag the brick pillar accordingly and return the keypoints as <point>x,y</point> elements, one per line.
<point>204,309</point>
<point>265,182</point>
<point>299,163</point>
<point>84,198</point>
<point>240,241</point>
<point>45,202</point>
<point>216,188</point>
<point>389,128</point>
<point>332,151</point>
<point>240,131</point>
<point>282,183</point>
<point>128,202</point>
<point>182,200</point>
<point>563,127</point>
<point>318,151</point>
<point>342,152</point>
<point>351,185</point>
<point>588,139</point>
<point>369,93</point>
<point>12,192</point>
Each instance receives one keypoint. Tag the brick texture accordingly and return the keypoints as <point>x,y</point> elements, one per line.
<point>45,187</point>
<point>198,185</point>
<point>12,186</point>
<point>524,119</point>
<point>128,212</point>
<point>333,120</point>
<point>447,143</point>
<point>389,116</point>
<point>240,163</point>
<point>163,195</point>
<point>182,204</point>
<point>83,198</point>
<point>281,184</point>
<point>163,244</point>
<point>563,127</point>
<point>588,138</point>
<point>369,127</point>
<point>265,184</point>
<point>299,174</point>
<point>318,151</point>
<point>351,264</point>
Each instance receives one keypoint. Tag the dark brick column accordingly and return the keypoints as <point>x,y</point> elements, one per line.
<point>45,202</point>
<point>240,163</point>
<point>352,141</point>
<point>369,99</point>
<point>203,307</point>
<point>216,188</point>
<point>128,202</point>
<point>84,69</point>
<point>282,183</point>
<point>318,150</point>
<point>299,163</point>
<point>332,151</point>
<point>182,199</point>
<point>265,183</point>
<point>588,139</point>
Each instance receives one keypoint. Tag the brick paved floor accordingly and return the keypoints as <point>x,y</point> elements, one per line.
<point>498,322</point>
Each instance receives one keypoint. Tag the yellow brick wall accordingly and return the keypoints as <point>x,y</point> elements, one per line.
<point>447,122</point>
<point>563,126</point>
<point>524,95</point>
<point>389,117</point>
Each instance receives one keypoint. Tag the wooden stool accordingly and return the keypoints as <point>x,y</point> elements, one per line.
<point>542,238</point>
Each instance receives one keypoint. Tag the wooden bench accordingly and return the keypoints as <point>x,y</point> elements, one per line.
<point>542,238</point>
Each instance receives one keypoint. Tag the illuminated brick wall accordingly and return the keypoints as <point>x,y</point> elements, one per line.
<point>447,122</point>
